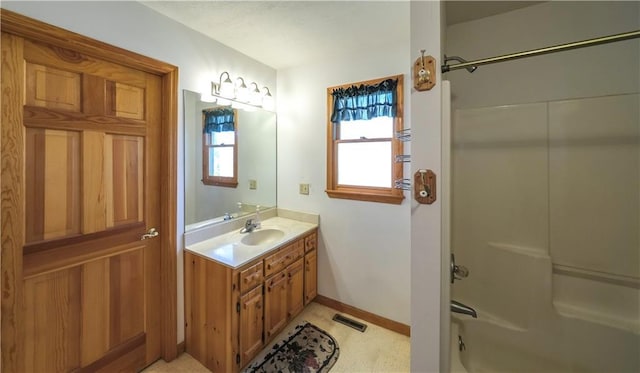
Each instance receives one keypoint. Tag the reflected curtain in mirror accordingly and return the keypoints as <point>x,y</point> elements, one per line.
<point>220,147</point>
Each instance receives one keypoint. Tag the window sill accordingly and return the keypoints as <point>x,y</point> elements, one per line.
<point>394,196</point>
<point>220,183</point>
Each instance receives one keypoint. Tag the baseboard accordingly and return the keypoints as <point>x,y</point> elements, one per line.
<point>181,348</point>
<point>383,322</point>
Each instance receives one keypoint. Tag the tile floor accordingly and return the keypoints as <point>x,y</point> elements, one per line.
<point>375,350</point>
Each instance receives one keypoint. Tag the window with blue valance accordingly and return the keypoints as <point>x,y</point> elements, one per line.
<point>219,120</point>
<point>365,102</point>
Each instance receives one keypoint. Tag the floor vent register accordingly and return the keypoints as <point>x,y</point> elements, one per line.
<point>350,322</point>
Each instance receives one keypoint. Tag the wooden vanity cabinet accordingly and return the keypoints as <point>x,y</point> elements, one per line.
<point>230,314</point>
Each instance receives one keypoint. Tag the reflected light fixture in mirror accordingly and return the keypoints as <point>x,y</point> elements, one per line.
<point>238,95</point>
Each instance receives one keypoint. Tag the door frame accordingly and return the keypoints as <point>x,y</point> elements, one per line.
<point>11,231</point>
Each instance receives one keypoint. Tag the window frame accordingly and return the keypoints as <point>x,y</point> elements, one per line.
<point>390,195</point>
<point>222,181</point>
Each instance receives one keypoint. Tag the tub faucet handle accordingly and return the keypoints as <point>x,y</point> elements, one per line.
<point>461,272</point>
<point>457,272</point>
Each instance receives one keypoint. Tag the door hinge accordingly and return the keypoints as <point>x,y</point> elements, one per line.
<point>238,307</point>
<point>237,358</point>
<point>263,336</point>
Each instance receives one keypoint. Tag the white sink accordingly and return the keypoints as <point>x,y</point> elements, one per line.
<point>262,236</point>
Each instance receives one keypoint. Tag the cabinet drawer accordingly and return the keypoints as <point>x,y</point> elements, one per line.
<point>251,277</point>
<point>297,251</point>
<point>285,256</point>
<point>276,262</point>
<point>310,242</point>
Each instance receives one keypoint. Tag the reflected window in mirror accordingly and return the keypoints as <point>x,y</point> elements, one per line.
<point>220,147</point>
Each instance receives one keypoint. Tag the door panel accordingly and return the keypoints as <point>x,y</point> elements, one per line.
<point>52,184</point>
<point>49,87</point>
<point>52,327</point>
<point>126,284</point>
<point>95,312</point>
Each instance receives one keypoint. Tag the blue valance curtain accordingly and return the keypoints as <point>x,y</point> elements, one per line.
<point>219,120</point>
<point>365,102</point>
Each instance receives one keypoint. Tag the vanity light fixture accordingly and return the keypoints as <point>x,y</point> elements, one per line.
<point>242,92</point>
<point>225,88</point>
<point>239,95</point>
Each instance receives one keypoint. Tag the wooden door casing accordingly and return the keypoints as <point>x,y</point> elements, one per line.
<point>83,290</point>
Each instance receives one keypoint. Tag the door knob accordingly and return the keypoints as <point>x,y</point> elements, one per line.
<point>152,233</point>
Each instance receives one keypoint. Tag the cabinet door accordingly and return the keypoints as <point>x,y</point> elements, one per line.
<point>251,326</point>
<point>295,292</point>
<point>310,276</point>
<point>275,313</point>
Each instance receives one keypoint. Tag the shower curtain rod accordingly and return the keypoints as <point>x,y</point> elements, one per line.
<point>537,52</point>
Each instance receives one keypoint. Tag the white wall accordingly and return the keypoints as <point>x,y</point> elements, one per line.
<point>132,26</point>
<point>364,256</point>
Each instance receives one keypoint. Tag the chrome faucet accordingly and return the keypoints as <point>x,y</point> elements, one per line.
<point>249,226</point>
<point>458,307</point>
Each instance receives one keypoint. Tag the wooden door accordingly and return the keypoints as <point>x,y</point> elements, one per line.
<point>88,190</point>
<point>295,288</point>
<point>310,276</point>
<point>251,324</point>
<point>275,300</point>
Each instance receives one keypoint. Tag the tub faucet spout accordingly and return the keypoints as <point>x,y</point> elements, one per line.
<point>458,307</point>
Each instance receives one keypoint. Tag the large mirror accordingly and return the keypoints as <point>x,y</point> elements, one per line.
<point>255,142</point>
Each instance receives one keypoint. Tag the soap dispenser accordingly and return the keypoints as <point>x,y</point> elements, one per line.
<point>258,222</point>
<point>239,209</point>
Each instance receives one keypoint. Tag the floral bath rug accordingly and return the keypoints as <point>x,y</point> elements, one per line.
<point>307,349</point>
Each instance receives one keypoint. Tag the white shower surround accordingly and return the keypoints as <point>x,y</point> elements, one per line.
<point>547,299</point>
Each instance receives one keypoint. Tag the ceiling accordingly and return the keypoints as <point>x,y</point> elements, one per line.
<point>283,34</point>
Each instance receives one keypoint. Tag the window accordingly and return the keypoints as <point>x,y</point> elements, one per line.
<point>220,147</point>
<point>361,146</point>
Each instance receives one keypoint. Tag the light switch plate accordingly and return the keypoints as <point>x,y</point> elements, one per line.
<point>304,189</point>
<point>253,184</point>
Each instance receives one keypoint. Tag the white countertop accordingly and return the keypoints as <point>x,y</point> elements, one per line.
<point>227,249</point>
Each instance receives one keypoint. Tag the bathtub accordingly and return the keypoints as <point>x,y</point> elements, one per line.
<point>534,316</point>
<point>567,345</point>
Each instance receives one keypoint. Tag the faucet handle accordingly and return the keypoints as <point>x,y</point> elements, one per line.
<point>460,271</point>
<point>457,272</point>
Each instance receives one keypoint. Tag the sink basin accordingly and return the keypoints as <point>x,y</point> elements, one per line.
<point>262,236</point>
